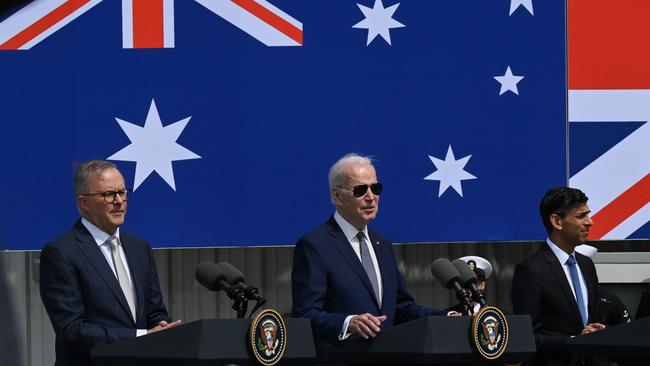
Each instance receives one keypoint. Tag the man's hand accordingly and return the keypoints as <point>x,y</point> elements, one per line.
<point>163,325</point>
<point>592,327</point>
<point>455,313</point>
<point>366,325</point>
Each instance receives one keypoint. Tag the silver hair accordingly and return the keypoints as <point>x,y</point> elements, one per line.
<point>336,175</point>
<point>92,169</point>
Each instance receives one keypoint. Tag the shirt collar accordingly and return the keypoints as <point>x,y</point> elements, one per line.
<point>559,253</point>
<point>349,230</point>
<point>97,233</point>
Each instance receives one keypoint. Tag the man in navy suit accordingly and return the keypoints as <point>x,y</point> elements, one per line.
<point>99,285</point>
<point>344,274</point>
<point>557,286</point>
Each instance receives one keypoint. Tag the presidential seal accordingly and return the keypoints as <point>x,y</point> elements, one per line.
<point>490,332</point>
<point>268,337</point>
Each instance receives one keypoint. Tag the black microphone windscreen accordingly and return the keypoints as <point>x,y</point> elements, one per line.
<point>467,276</point>
<point>444,272</point>
<point>233,275</point>
<point>209,275</point>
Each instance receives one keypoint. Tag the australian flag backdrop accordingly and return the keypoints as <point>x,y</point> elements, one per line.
<point>224,116</point>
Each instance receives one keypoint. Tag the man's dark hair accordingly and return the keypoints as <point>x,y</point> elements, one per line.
<point>560,201</point>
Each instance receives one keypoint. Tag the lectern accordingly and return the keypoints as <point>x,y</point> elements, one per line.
<point>433,340</point>
<point>205,342</point>
<point>628,342</point>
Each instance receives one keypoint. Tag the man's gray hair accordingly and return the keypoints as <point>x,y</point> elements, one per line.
<point>336,174</point>
<point>92,169</point>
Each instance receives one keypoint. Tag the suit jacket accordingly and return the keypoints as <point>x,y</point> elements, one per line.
<point>541,289</point>
<point>83,297</point>
<point>612,310</point>
<point>329,283</point>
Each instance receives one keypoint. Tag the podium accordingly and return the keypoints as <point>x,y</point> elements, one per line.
<point>433,340</point>
<point>628,342</point>
<point>205,342</point>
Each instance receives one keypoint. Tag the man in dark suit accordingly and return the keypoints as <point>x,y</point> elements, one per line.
<point>557,286</point>
<point>99,285</point>
<point>344,274</point>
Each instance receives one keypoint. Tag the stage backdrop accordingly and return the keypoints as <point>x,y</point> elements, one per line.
<point>609,109</point>
<point>225,115</point>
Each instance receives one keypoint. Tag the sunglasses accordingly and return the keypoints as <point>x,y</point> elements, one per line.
<point>361,189</point>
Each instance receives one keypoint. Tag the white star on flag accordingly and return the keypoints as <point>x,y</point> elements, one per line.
<point>508,82</point>
<point>528,4</point>
<point>379,21</point>
<point>153,147</point>
<point>450,172</point>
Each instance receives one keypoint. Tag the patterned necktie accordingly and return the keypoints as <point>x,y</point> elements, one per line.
<point>573,270</point>
<point>122,276</point>
<point>366,261</point>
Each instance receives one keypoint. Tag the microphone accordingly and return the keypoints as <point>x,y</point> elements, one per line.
<point>214,279</point>
<point>235,278</point>
<point>468,280</point>
<point>445,273</point>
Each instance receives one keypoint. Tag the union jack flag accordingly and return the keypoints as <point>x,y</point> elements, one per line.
<point>38,20</point>
<point>147,23</point>
<point>609,113</point>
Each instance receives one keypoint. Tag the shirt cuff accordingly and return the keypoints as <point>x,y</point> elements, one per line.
<point>344,332</point>
<point>140,332</point>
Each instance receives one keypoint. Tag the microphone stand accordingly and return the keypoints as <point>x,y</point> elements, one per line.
<point>464,296</point>
<point>244,308</point>
<point>480,299</point>
<point>239,301</point>
<point>260,301</point>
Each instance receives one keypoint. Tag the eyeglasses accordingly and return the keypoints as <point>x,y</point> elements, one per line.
<point>110,196</point>
<point>361,189</point>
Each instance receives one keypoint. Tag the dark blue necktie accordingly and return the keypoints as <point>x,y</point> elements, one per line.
<point>366,261</point>
<point>573,270</point>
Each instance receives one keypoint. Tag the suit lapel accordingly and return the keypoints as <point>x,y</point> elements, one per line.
<point>560,277</point>
<point>343,246</point>
<point>131,258</point>
<point>91,250</point>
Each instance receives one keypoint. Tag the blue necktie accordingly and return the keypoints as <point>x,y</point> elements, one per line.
<point>366,261</point>
<point>573,270</point>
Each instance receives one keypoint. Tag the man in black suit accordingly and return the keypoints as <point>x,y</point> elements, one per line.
<point>99,285</point>
<point>560,296</point>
